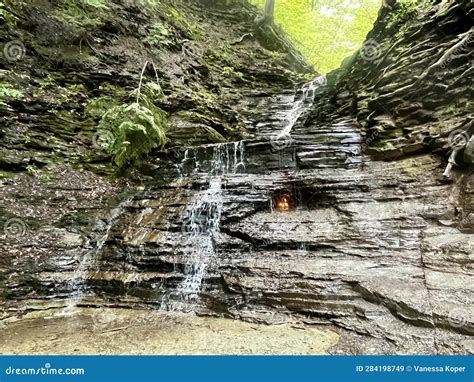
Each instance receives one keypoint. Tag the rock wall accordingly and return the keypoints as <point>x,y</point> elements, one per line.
<point>379,247</point>
<point>63,65</point>
<point>409,86</point>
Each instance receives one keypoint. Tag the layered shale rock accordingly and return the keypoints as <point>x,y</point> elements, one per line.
<point>409,85</point>
<point>378,250</point>
<point>64,66</point>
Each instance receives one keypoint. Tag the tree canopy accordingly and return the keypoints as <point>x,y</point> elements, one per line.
<point>326,31</point>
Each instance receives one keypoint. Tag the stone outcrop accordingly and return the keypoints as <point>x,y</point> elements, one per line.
<point>379,247</point>
<point>409,86</point>
<point>70,69</point>
<point>63,69</point>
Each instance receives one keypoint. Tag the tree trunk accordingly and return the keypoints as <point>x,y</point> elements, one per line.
<point>269,11</point>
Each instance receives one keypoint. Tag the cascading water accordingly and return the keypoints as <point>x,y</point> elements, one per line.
<point>300,105</point>
<point>302,101</point>
<point>76,284</point>
<point>214,159</point>
<point>200,227</point>
<point>201,220</point>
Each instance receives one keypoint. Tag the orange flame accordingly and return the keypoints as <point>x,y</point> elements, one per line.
<point>283,204</point>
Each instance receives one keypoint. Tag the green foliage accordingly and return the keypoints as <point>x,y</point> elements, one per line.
<point>6,17</point>
<point>331,31</point>
<point>160,35</point>
<point>49,89</point>
<point>6,175</point>
<point>97,107</point>
<point>221,54</point>
<point>8,92</point>
<point>83,13</point>
<point>32,170</point>
<point>149,91</point>
<point>184,21</point>
<point>410,6</point>
<point>204,96</point>
<point>178,19</point>
<point>94,3</point>
<point>135,130</point>
<point>232,73</point>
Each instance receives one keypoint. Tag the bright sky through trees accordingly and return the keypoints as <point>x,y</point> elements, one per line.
<point>329,32</point>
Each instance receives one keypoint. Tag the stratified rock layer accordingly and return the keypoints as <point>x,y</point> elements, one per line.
<point>409,86</point>
<point>380,251</point>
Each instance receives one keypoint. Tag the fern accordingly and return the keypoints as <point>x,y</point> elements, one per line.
<point>136,130</point>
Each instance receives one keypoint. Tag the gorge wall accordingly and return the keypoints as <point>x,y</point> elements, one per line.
<point>377,244</point>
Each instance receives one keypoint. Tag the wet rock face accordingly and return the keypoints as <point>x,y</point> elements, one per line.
<point>410,94</point>
<point>65,70</point>
<point>379,251</point>
<point>376,251</point>
<point>56,181</point>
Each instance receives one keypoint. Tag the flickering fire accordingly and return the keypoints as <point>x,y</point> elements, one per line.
<point>283,202</point>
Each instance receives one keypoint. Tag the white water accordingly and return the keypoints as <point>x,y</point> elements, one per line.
<point>76,284</point>
<point>200,229</point>
<point>226,158</point>
<point>301,103</point>
<point>201,220</point>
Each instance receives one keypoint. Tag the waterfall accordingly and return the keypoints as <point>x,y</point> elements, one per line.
<point>76,283</point>
<point>214,159</point>
<point>200,228</point>
<point>302,102</point>
<point>201,219</point>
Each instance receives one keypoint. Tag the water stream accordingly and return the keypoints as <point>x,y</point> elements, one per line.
<point>201,219</point>
<point>77,284</point>
<point>276,116</point>
<point>302,102</point>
